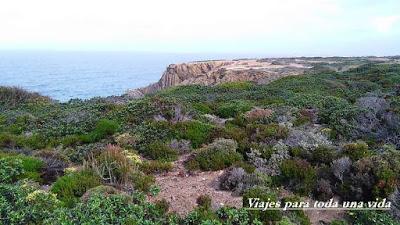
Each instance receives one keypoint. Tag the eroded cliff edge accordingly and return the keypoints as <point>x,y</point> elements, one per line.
<point>256,70</point>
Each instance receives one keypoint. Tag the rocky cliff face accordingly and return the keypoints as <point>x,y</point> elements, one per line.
<point>216,72</point>
<point>256,70</point>
<point>185,73</point>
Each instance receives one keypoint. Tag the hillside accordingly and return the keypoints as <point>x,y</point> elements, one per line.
<point>277,129</point>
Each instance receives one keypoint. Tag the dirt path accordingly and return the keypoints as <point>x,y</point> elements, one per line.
<point>181,189</point>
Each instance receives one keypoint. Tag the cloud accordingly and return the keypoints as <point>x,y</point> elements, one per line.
<point>194,26</point>
<point>385,24</point>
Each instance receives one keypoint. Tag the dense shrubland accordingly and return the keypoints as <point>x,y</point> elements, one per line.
<point>317,136</point>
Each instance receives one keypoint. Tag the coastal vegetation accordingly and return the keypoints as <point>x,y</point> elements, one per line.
<point>318,136</point>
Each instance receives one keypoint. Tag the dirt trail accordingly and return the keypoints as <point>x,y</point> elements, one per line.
<point>181,189</point>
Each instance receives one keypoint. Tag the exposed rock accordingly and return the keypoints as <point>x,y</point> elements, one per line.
<point>260,71</point>
<point>134,94</point>
<point>216,72</point>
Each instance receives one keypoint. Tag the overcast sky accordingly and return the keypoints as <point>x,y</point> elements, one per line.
<point>270,27</point>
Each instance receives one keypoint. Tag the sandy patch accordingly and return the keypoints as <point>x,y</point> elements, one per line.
<point>181,189</point>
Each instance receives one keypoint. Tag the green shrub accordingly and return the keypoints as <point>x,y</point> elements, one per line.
<point>201,216</point>
<point>162,206</point>
<point>233,108</point>
<point>266,195</point>
<point>356,151</point>
<point>386,180</point>
<point>239,135</point>
<point>16,167</point>
<point>73,185</point>
<point>299,175</point>
<point>34,141</point>
<point>143,182</point>
<point>230,215</point>
<point>202,107</point>
<point>10,170</point>
<point>103,129</point>
<point>155,166</point>
<point>25,203</point>
<point>160,151</point>
<point>338,222</point>
<point>323,154</point>
<point>108,209</point>
<point>218,155</point>
<point>299,216</point>
<point>197,132</point>
<point>153,131</point>
<point>204,201</point>
<point>301,120</point>
<point>372,217</point>
<point>71,140</point>
<point>235,86</point>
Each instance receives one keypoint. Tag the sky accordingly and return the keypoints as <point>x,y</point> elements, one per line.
<point>268,27</point>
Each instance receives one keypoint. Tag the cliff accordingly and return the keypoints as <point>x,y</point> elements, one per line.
<point>216,72</point>
<point>256,70</point>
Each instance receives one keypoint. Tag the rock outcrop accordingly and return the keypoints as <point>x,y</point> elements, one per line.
<point>260,71</point>
<point>216,72</point>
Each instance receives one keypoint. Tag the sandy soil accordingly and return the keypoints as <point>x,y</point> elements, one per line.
<point>181,189</point>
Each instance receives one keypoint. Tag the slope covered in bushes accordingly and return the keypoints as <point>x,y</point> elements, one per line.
<point>316,136</point>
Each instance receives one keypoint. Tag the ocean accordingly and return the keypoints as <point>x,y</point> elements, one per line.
<point>69,75</point>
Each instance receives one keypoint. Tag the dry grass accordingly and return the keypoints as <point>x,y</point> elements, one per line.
<point>13,96</point>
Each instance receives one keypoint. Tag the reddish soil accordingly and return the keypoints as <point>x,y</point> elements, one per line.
<point>181,189</point>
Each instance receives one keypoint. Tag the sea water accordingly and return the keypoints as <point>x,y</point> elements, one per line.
<point>68,75</point>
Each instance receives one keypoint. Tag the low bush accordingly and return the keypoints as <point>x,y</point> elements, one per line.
<point>160,151</point>
<point>239,135</point>
<point>372,217</point>
<point>126,140</point>
<point>155,166</point>
<point>16,167</point>
<point>103,129</point>
<point>162,206</point>
<point>323,190</point>
<point>216,156</point>
<point>202,108</point>
<point>323,155</point>
<point>34,141</point>
<point>233,108</point>
<point>370,178</point>
<point>196,132</point>
<point>338,222</point>
<point>297,216</point>
<point>108,209</point>
<point>181,146</point>
<point>143,182</point>
<point>204,201</point>
<point>73,185</point>
<point>298,175</point>
<point>10,170</point>
<point>238,181</point>
<point>235,86</point>
<point>265,195</point>
<point>356,150</point>
<point>268,132</point>
<point>25,203</point>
